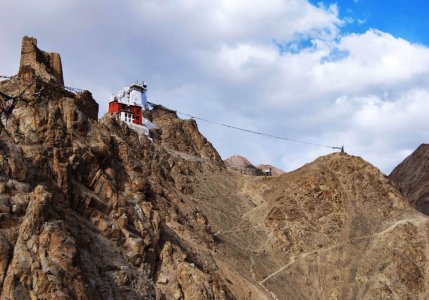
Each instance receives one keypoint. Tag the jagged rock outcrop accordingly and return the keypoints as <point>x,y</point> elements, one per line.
<point>412,178</point>
<point>181,136</point>
<point>88,210</point>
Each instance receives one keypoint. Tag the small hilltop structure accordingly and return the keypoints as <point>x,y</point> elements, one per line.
<point>128,106</point>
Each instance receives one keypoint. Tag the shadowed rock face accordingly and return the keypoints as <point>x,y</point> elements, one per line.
<point>90,211</point>
<point>412,178</point>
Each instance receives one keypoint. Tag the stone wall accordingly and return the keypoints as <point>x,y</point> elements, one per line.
<point>34,62</point>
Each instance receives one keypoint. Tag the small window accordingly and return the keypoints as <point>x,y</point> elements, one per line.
<point>137,118</point>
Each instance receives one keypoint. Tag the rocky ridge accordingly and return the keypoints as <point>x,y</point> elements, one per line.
<point>88,210</point>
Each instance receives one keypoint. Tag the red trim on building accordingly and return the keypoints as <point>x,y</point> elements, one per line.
<point>134,110</point>
<point>114,107</point>
<point>137,111</point>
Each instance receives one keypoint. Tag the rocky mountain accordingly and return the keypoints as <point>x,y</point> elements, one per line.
<point>412,178</point>
<point>90,210</point>
<point>334,229</point>
<point>241,164</point>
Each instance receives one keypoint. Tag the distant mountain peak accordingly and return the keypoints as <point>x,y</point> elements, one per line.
<point>412,178</point>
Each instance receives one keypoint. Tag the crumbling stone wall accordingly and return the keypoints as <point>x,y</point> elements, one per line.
<point>37,62</point>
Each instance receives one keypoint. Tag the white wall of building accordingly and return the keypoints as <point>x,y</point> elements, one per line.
<point>126,117</point>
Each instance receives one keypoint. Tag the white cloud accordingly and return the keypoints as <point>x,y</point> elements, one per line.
<point>218,60</point>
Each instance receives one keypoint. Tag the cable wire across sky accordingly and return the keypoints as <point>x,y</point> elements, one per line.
<point>77,90</point>
<point>256,132</point>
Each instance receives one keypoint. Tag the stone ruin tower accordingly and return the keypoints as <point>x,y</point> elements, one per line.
<point>43,70</point>
<point>35,62</point>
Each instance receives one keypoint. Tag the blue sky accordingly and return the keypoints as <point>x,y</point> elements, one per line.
<point>402,18</point>
<point>346,72</point>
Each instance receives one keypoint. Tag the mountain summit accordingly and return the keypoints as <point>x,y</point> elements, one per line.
<point>90,209</point>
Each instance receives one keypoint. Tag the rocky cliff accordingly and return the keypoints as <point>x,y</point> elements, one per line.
<point>88,210</point>
<point>412,178</point>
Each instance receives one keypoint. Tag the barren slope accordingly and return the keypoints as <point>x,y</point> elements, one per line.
<point>412,178</point>
<point>334,229</point>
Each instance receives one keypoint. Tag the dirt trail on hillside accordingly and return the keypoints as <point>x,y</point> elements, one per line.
<point>315,232</point>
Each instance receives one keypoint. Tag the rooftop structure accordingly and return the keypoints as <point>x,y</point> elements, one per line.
<point>129,103</point>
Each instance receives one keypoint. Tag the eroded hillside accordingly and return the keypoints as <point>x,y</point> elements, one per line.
<point>90,210</point>
<point>334,229</point>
